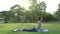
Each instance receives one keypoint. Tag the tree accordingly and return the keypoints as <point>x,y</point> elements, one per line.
<point>48,17</point>
<point>57,13</point>
<point>1,15</point>
<point>5,16</point>
<point>17,7</point>
<point>38,9</point>
<point>17,11</point>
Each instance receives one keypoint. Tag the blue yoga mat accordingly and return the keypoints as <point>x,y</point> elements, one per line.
<point>19,30</point>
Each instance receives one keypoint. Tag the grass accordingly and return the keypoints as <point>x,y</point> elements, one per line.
<point>54,28</point>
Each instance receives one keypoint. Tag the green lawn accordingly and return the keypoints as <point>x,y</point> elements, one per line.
<point>54,28</point>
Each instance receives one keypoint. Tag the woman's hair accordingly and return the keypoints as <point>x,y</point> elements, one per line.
<point>39,17</point>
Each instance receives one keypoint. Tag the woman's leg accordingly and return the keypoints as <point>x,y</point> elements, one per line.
<point>30,30</point>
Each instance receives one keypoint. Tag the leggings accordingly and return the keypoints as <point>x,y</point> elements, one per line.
<point>30,30</point>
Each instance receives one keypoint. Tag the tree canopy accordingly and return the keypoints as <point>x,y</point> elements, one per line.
<point>20,14</point>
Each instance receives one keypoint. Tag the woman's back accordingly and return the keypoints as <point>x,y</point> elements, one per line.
<point>39,22</point>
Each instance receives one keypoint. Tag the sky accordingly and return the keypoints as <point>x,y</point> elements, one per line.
<point>52,5</point>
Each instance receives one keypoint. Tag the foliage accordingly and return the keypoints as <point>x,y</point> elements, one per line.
<point>57,13</point>
<point>48,17</point>
<point>19,14</point>
<point>5,16</point>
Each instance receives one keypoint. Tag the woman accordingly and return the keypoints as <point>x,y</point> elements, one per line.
<point>38,27</point>
<point>35,29</point>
